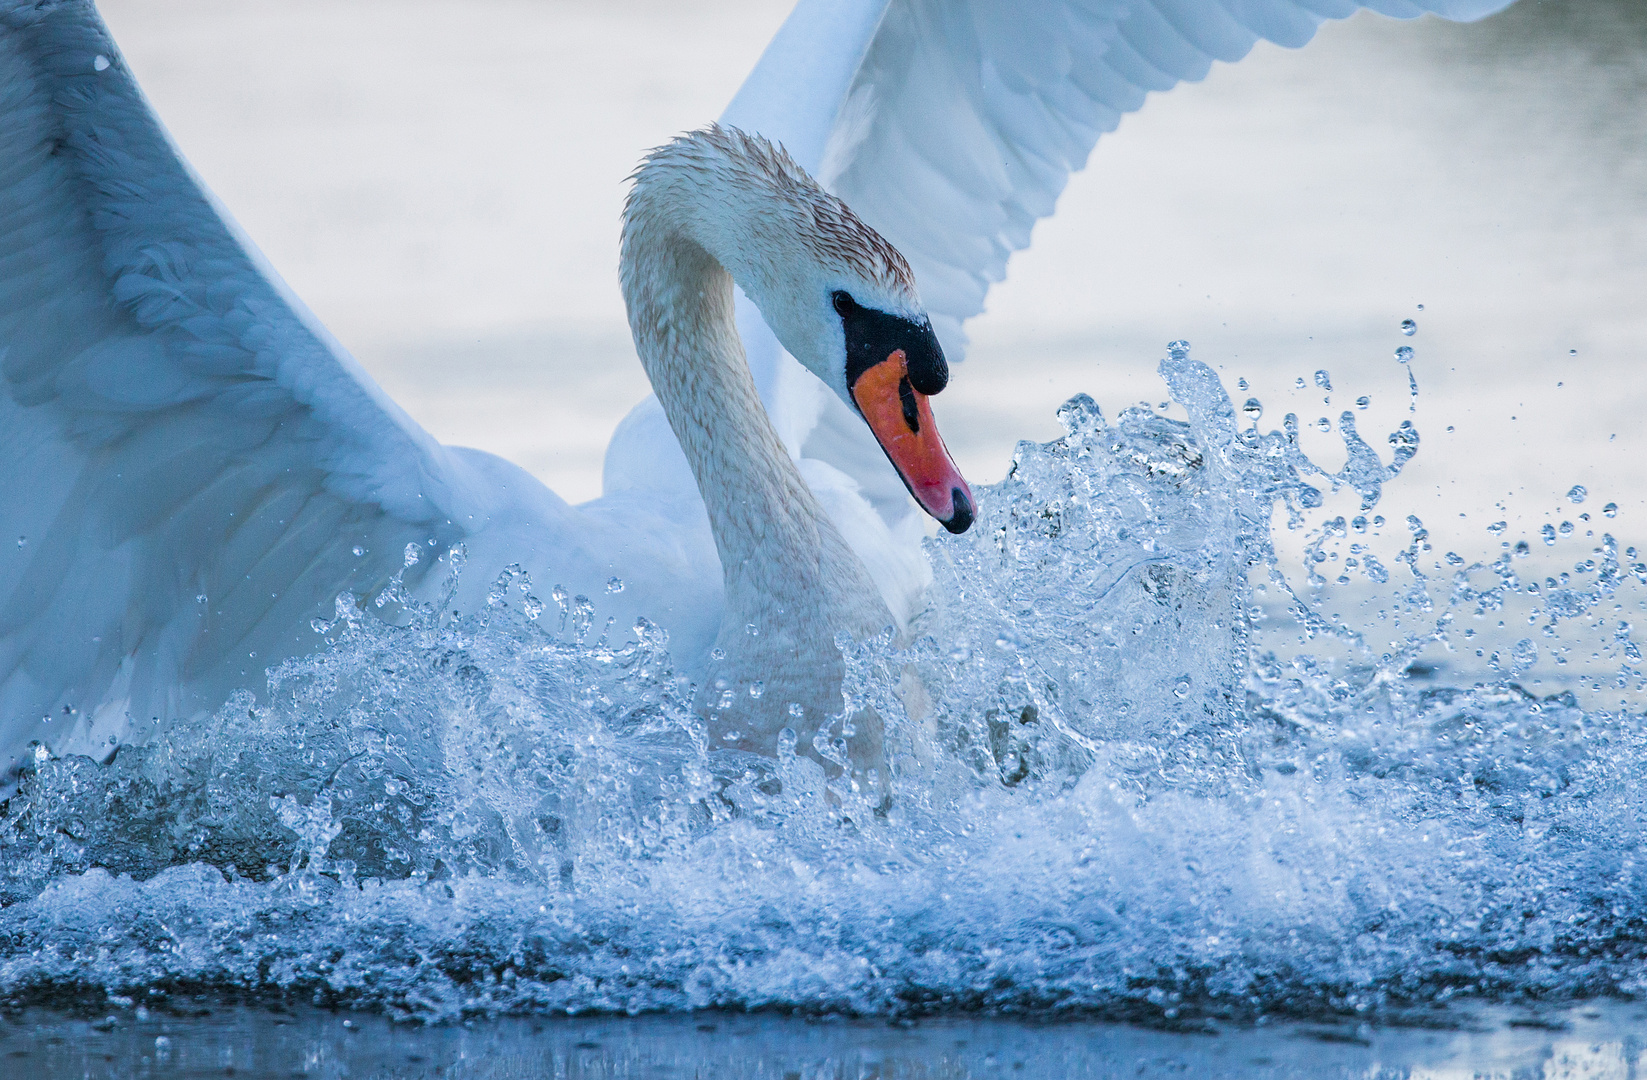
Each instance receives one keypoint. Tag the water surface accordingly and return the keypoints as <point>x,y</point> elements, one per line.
<point>1291,710</point>
<point>321,1045</point>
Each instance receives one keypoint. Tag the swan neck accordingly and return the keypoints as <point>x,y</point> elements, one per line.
<point>765,519</point>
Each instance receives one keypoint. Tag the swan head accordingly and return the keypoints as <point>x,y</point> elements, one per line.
<point>838,296</point>
<point>893,364</point>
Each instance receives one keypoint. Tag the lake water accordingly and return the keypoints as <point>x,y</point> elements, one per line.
<point>1599,1042</point>
<point>1240,726</point>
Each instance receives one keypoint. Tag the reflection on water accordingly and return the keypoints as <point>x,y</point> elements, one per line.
<point>1589,1045</point>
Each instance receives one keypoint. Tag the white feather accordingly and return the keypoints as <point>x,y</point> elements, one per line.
<point>178,426</point>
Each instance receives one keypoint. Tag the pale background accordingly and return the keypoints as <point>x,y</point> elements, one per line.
<point>441,182</point>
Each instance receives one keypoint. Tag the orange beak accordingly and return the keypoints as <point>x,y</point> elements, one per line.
<point>901,418</point>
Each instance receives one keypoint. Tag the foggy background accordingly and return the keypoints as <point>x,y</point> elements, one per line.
<point>441,182</point>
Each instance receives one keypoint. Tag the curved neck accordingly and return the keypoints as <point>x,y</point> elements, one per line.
<point>702,209</point>
<point>765,519</point>
<point>787,570</point>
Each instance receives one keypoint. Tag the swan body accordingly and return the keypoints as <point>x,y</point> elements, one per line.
<point>196,468</point>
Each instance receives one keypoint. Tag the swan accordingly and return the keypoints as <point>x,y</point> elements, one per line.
<point>719,206</point>
<point>195,468</point>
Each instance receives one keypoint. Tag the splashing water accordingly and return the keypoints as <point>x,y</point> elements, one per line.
<point>1139,770</point>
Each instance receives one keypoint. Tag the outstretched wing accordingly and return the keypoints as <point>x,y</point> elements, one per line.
<point>190,463</point>
<point>965,119</point>
<point>952,126</point>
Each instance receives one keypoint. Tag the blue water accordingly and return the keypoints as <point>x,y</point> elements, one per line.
<point>1198,734</point>
<point>280,1044</point>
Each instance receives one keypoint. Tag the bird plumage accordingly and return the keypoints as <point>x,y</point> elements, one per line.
<point>196,468</point>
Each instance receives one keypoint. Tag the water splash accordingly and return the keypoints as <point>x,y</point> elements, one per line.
<point>1142,766</point>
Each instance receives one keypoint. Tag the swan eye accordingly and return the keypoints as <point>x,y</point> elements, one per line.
<point>844,304</point>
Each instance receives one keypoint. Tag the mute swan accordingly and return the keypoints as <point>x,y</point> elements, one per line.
<point>717,206</point>
<point>203,468</point>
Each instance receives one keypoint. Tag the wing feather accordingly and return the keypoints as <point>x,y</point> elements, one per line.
<point>1210,29</point>
<point>200,460</point>
<point>1001,101</point>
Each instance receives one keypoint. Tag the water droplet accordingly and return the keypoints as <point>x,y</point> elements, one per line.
<point>1178,350</point>
<point>1521,549</point>
<point>162,1045</point>
<point>1181,688</point>
<point>1525,653</point>
<point>751,629</point>
<point>1359,524</point>
<point>1611,509</point>
<point>717,654</point>
<point>1253,409</point>
<point>1404,354</point>
<point>1566,528</point>
<point>1409,327</point>
<point>614,585</point>
<point>732,736</point>
<point>1572,352</point>
<point>1420,307</point>
<point>1080,415</point>
<point>22,540</point>
<point>358,551</point>
<point>1577,493</point>
<point>795,710</point>
<point>756,689</point>
<point>1242,383</point>
<point>1363,401</point>
<point>532,606</point>
<point>1498,527</point>
<point>1548,533</point>
<point>1323,423</point>
<point>725,700</point>
<point>1323,380</point>
<point>1299,383</point>
<point>412,554</point>
<point>100,63</point>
